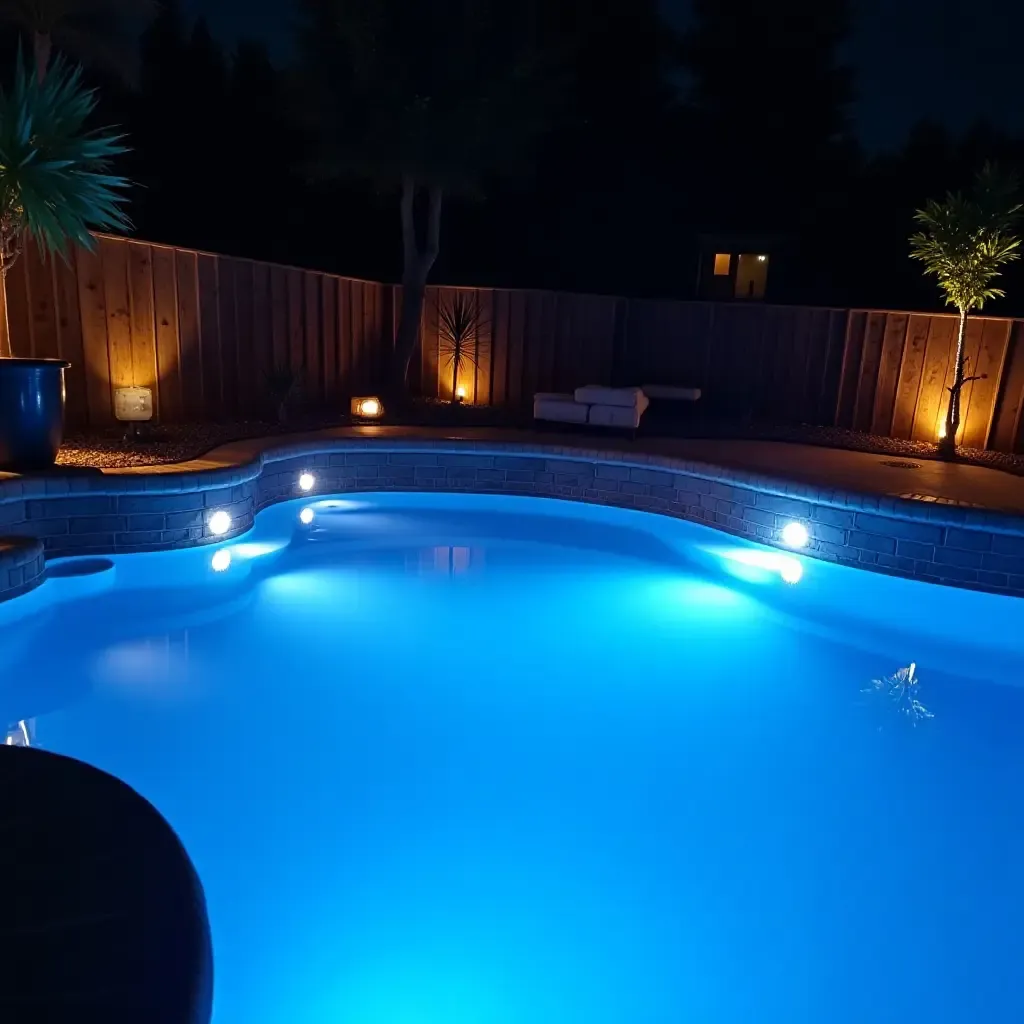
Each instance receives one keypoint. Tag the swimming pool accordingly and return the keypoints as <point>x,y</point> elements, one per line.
<point>487,760</point>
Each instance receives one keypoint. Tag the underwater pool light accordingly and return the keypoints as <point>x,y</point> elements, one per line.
<point>221,560</point>
<point>219,523</point>
<point>306,516</point>
<point>306,482</point>
<point>795,535</point>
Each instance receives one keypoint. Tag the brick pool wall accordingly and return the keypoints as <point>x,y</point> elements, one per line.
<point>93,514</point>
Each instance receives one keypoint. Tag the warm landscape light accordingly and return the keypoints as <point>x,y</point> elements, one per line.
<point>306,516</point>
<point>368,408</point>
<point>219,523</point>
<point>460,393</point>
<point>795,535</point>
<point>306,482</point>
<point>221,560</point>
<point>942,431</point>
<point>133,405</point>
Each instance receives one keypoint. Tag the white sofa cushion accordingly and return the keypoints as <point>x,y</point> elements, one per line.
<point>618,415</point>
<point>675,394</point>
<point>561,408</point>
<point>593,394</point>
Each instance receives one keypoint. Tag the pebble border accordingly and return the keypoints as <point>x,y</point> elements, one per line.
<point>93,514</point>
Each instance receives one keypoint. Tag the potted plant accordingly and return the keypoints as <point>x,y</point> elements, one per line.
<point>55,185</point>
<point>963,243</point>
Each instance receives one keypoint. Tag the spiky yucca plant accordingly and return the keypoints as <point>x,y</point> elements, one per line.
<point>459,323</point>
<point>55,180</point>
<point>963,243</point>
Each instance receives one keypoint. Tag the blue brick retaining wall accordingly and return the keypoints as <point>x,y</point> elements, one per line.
<point>119,513</point>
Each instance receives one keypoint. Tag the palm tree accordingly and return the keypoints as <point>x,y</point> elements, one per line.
<point>55,180</point>
<point>963,243</point>
<point>98,32</point>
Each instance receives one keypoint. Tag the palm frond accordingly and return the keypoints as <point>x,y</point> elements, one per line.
<point>55,176</point>
<point>963,241</point>
<point>460,325</point>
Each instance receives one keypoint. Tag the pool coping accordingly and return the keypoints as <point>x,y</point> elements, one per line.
<point>67,512</point>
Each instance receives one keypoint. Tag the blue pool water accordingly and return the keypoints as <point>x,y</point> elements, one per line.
<point>455,760</point>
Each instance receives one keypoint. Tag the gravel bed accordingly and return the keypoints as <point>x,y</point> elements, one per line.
<point>179,443</point>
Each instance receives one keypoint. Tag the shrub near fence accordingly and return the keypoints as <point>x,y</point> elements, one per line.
<point>203,330</point>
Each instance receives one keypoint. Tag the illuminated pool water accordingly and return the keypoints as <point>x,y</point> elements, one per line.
<point>455,760</point>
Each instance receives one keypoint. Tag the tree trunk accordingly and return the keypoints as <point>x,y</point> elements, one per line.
<point>417,264</point>
<point>947,443</point>
<point>42,45</point>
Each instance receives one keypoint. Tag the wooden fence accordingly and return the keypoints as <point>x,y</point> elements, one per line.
<point>203,331</point>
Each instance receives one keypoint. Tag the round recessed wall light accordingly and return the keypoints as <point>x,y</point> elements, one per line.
<point>307,482</point>
<point>219,523</point>
<point>795,535</point>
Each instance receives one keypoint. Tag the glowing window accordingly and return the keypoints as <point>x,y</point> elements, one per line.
<point>723,261</point>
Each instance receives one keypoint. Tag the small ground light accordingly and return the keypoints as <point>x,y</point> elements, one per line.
<point>306,482</point>
<point>306,516</point>
<point>460,394</point>
<point>795,535</point>
<point>219,523</point>
<point>221,560</point>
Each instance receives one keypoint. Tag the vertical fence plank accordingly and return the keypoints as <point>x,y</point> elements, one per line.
<point>1007,421</point>
<point>849,377</point>
<point>95,345</point>
<point>209,332</point>
<point>279,317</point>
<point>19,310</point>
<point>227,272</point>
<point>931,402</point>
<point>894,339</point>
<point>430,357</point>
<point>190,342</point>
<point>360,377</point>
<point>979,412</point>
<point>345,337</point>
<point>516,340</point>
<point>296,341</point>
<point>41,300</point>
<point>114,256</point>
<point>69,338</point>
<point>911,373</point>
<point>260,345</point>
<point>329,327</point>
<point>312,363</point>
<point>867,384</point>
<point>143,326</point>
<point>499,347</point>
<point>484,346</point>
<point>370,334</point>
<point>165,318</point>
<point>249,387</point>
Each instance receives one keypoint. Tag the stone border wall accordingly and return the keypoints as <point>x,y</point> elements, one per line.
<point>92,514</point>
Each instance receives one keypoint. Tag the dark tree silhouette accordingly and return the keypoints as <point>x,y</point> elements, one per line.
<point>770,100</point>
<point>430,98</point>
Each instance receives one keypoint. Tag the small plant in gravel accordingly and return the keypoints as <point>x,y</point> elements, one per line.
<point>283,384</point>
<point>964,242</point>
<point>459,324</point>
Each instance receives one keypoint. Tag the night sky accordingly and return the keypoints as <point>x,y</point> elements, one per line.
<point>955,61</point>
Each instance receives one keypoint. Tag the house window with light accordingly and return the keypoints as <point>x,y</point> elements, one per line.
<point>723,264</point>
<point>751,275</point>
